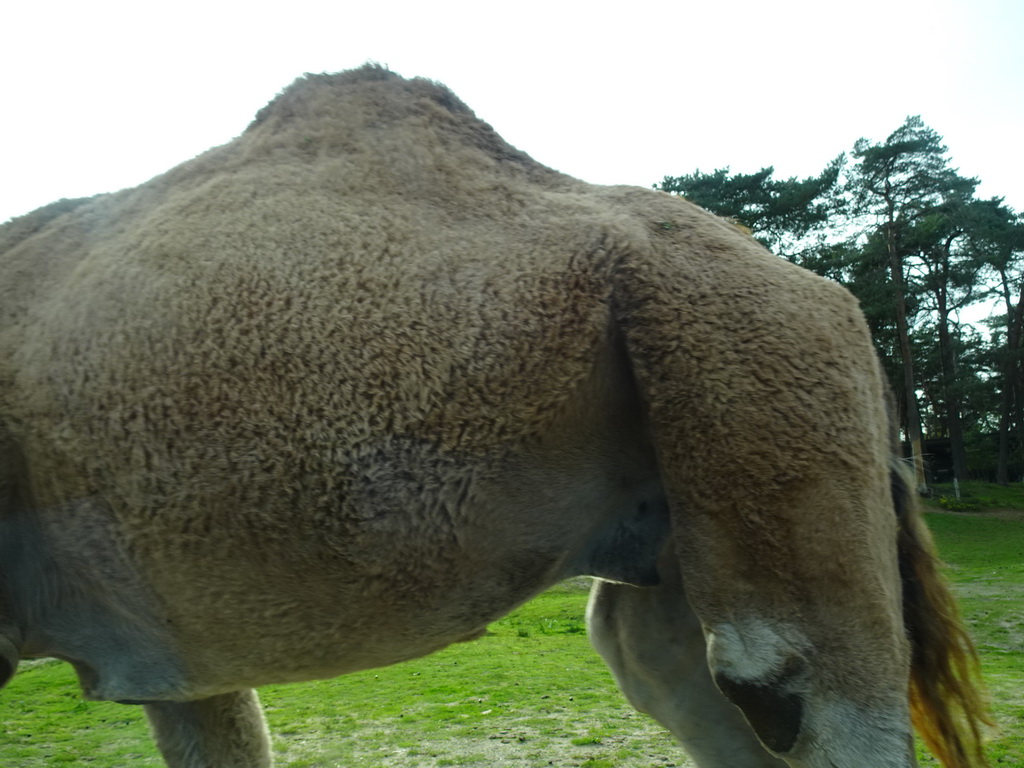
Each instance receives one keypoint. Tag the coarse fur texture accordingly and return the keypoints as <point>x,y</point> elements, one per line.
<point>346,389</point>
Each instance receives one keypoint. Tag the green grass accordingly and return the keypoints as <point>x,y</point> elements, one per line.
<point>985,560</point>
<point>530,694</point>
<point>978,496</point>
<point>529,691</point>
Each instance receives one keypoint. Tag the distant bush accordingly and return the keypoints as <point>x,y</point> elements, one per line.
<point>954,504</point>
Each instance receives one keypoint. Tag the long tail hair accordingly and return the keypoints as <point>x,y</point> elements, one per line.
<point>947,704</point>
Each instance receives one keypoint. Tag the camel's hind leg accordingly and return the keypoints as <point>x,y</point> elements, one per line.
<point>11,470</point>
<point>226,731</point>
<point>8,652</point>
<point>654,645</point>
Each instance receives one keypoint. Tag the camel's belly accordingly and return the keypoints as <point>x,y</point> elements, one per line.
<point>215,615</point>
<point>303,618</point>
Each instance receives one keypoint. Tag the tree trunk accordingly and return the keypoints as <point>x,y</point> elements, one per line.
<point>1003,461</point>
<point>1009,417</point>
<point>913,414</point>
<point>951,394</point>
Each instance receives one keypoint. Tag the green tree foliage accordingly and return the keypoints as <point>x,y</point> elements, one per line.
<point>780,213</point>
<point>914,205</point>
<point>997,238</point>
<point>904,231</point>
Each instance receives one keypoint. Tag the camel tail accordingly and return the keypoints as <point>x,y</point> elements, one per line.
<point>947,704</point>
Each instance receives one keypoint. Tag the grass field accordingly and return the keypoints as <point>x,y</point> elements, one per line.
<point>531,694</point>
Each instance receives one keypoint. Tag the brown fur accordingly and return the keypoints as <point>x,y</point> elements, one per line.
<point>344,390</point>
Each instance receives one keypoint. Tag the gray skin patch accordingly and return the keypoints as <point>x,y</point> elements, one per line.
<point>75,597</point>
<point>626,549</point>
<point>774,714</point>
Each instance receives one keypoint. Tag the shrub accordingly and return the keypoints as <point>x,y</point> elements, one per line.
<point>954,504</point>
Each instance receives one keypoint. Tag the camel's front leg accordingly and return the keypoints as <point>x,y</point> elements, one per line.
<point>226,731</point>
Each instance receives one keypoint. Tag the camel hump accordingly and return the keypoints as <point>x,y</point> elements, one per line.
<point>23,227</point>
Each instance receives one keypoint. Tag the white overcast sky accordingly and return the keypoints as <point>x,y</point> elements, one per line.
<point>103,94</point>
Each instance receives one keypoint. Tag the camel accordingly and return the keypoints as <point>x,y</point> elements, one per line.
<point>346,389</point>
